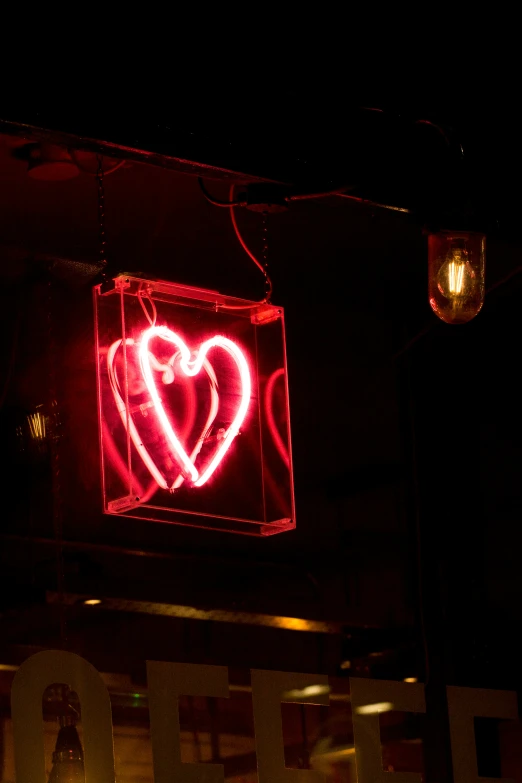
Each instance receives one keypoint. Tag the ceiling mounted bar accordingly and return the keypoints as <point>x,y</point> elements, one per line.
<point>139,151</point>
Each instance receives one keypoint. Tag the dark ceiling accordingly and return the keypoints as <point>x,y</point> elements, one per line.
<point>425,129</point>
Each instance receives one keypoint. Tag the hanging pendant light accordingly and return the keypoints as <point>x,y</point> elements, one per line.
<point>456,274</point>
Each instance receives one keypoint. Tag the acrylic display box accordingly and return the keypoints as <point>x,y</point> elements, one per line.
<point>193,407</point>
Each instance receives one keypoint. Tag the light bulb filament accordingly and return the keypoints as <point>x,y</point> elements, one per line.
<point>456,277</point>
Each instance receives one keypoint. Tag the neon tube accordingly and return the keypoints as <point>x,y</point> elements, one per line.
<point>167,377</point>
<point>214,406</point>
<point>122,410</point>
<point>246,384</point>
<point>191,369</point>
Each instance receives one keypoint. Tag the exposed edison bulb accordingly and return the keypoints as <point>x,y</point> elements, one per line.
<point>456,275</point>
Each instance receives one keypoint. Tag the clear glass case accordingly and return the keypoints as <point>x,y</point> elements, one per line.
<point>193,407</point>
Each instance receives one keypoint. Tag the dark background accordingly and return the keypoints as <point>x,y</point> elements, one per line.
<point>410,540</point>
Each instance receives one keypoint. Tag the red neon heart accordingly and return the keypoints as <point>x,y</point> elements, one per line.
<point>168,377</point>
<point>128,419</point>
<point>190,368</point>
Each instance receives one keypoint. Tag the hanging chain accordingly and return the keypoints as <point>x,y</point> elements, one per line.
<point>101,211</point>
<point>268,282</point>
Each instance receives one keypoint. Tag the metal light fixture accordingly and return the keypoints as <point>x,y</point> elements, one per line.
<point>456,272</point>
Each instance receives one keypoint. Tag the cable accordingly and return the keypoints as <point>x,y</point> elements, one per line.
<point>150,318</point>
<point>295,197</point>
<point>444,135</point>
<point>111,170</point>
<point>514,272</point>
<point>217,202</point>
<point>240,238</point>
<point>253,258</point>
<point>231,204</point>
<point>411,343</point>
<point>439,129</point>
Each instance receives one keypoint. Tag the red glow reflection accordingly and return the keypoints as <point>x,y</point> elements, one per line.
<point>269,409</point>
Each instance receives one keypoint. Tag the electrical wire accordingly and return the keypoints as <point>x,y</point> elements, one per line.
<point>150,318</point>
<point>81,167</point>
<point>406,347</point>
<point>217,202</point>
<point>114,168</point>
<point>341,192</point>
<point>231,204</point>
<point>337,192</point>
<point>514,272</point>
<point>240,238</point>
<point>439,129</point>
<point>294,197</point>
<point>249,253</point>
<point>444,135</point>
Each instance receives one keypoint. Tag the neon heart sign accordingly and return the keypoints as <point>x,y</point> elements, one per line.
<point>190,366</point>
<point>193,407</point>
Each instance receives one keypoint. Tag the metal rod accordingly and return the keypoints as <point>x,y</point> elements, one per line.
<point>114,150</point>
